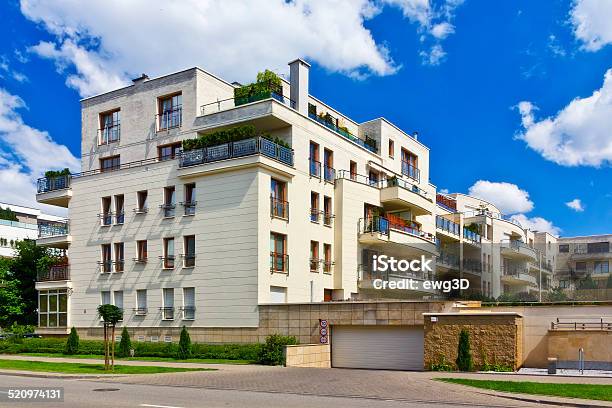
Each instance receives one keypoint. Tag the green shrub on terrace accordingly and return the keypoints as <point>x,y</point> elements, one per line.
<point>267,82</point>
<point>57,173</point>
<point>233,134</point>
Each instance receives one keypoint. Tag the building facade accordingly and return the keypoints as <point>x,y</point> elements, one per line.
<point>585,258</point>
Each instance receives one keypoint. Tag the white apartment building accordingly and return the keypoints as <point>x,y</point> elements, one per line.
<point>582,257</point>
<point>202,237</point>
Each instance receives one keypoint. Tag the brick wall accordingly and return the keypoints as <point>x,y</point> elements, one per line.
<point>308,355</point>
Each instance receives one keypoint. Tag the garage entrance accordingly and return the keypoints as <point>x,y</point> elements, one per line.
<point>377,347</point>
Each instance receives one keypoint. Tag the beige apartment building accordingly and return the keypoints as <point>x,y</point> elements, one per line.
<point>293,214</point>
<point>581,258</point>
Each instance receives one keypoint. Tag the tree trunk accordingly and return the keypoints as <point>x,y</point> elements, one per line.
<point>105,347</point>
<point>113,358</point>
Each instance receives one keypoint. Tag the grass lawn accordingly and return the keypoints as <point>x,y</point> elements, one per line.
<point>76,368</point>
<point>585,391</point>
<point>161,359</point>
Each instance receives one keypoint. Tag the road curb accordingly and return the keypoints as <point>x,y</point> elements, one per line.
<point>35,374</point>
<point>543,400</point>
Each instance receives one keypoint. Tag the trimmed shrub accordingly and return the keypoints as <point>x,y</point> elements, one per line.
<point>272,351</point>
<point>125,344</point>
<point>72,343</point>
<point>57,173</point>
<point>464,355</point>
<point>184,347</point>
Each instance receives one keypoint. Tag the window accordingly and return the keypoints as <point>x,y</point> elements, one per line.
<point>581,266</point>
<point>353,170</point>
<point>119,254</point>
<point>110,163</point>
<point>141,251</point>
<point>314,256</point>
<point>141,201</point>
<point>168,307</point>
<point>141,302</point>
<point>188,303</point>
<point>279,260</point>
<point>373,177</point>
<point>601,267</point>
<point>169,201</point>
<point>118,298</point>
<point>109,127</point>
<point>278,294</point>
<point>314,206</point>
<point>190,199</point>
<point>328,169</point>
<point>327,261</point>
<point>53,308</point>
<point>279,207</point>
<point>170,112</point>
<point>564,284</point>
<point>168,152</point>
<point>168,257</point>
<point>119,210</point>
<point>391,148</point>
<point>315,164</point>
<point>106,261</point>
<point>327,211</point>
<point>410,164</point>
<point>105,297</point>
<point>189,256</point>
<point>106,216</point>
<point>598,247</point>
<point>564,248</point>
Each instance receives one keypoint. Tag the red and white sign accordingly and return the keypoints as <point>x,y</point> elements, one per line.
<point>323,331</point>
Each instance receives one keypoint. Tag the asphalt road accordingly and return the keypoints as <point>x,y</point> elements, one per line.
<point>80,393</point>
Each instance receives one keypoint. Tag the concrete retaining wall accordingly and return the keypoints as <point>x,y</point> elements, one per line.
<point>308,355</point>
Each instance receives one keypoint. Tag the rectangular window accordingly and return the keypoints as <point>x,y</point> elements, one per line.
<point>410,165</point>
<point>106,216</point>
<point>118,298</point>
<point>141,302</point>
<point>314,256</point>
<point>564,248</point>
<point>119,257</point>
<point>119,209</point>
<point>315,164</point>
<point>169,205</point>
<point>327,211</point>
<point>279,260</point>
<point>279,207</point>
<point>53,308</point>
<point>353,170</point>
<point>168,152</point>
<point>170,112</point>
<point>188,303</point>
<point>327,261</point>
<point>168,307</point>
<point>328,165</point>
<point>190,199</point>
<point>105,297</point>
<point>109,127</point>
<point>141,251</point>
<point>598,247</point>
<point>110,163</point>
<point>106,262</point>
<point>168,258</point>
<point>601,267</point>
<point>581,266</point>
<point>141,202</point>
<point>190,254</point>
<point>391,148</point>
<point>314,206</point>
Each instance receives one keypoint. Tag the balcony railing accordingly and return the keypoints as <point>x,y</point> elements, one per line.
<point>188,260</point>
<point>140,311</point>
<point>232,150</point>
<point>106,266</point>
<point>140,259</point>
<point>471,236</point>
<point>446,202</point>
<point>314,215</point>
<point>382,183</point>
<point>327,266</point>
<point>119,265</point>
<point>472,265</point>
<point>279,263</point>
<point>491,214</point>
<point>106,218</point>
<point>47,184</point>
<point>591,325</point>
<point>17,224</point>
<point>279,208</point>
<point>141,210</point>
<point>189,207</point>
<point>315,168</point>
<point>329,174</point>
<point>448,259</point>
<point>447,225</point>
<point>119,218</point>
<point>411,171</point>
<point>168,209</point>
<point>383,225</point>
<point>110,133</point>
<point>52,230</point>
<point>327,218</point>
<point>314,265</point>
<point>167,313</point>
<point>230,103</point>
<point>188,312</point>
<point>55,273</point>
<point>167,261</point>
<point>368,144</point>
<point>170,118</point>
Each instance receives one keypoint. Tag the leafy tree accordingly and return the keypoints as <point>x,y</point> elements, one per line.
<point>7,214</point>
<point>464,355</point>
<point>556,295</point>
<point>110,314</point>
<point>72,343</point>
<point>125,345</point>
<point>588,283</point>
<point>184,348</point>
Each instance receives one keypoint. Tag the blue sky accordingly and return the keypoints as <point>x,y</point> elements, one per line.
<point>453,71</point>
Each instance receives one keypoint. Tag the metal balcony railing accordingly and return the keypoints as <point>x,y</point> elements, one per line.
<point>327,266</point>
<point>119,218</point>
<point>140,311</point>
<point>230,103</point>
<point>46,230</point>
<point>472,265</point>
<point>279,208</point>
<point>188,312</point>
<point>168,261</point>
<point>189,207</point>
<point>411,171</point>
<point>447,225</point>
<point>47,184</point>
<point>55,273</point>
<point>106,266</point>
<point>383,225</point>
<point>314,215</point>
<point>448,259</point>
<point>279,263</point>
<point>168,209</point>
<point>471,236</point>
<point>188,260</point>
<point>327,218</point>
<point>167,312</point>
<point>315,168</point>
<point>601,325</point>
<point>368,144</point>
<point>119,265</point>
<point>329,174</point>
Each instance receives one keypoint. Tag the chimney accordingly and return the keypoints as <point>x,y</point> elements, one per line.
<point>140,79</point>
<point>298,84</point>
<point>415,135</point>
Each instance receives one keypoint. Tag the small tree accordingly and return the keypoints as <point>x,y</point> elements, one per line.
<point>184,347</point>
<point>72,343</point>
<point>111,314</point>
<point>125,344</point>
<point>464,355</point>
<point>272,351</point>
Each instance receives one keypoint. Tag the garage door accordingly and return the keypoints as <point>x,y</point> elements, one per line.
<point>386,348</point>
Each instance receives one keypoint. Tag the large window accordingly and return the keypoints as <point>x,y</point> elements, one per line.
<point>106,261</point>
<point>169,201</point>
<point>327,211</point>
<point>141,302</point>
<point>327,260</point>
<point>601,267</point>
<point>109,127</point>
<point>141,251</point>
<point>168,307</point>
<point>141,203</point>
<point>53,308</point>
<point>118,298</point>
<point>119,209</point>
<point>170,112</point>
<point>110,163</point>
<point>119,257</point>
<point>315,164</point>
<point>106,216</point>
<point>314,256</point>
<point>410,165</point>
<point>105,297</point>
<point>190,199</point>
<point>168,257</point>
<point>190,251</point>
<point>598,247</point>
<point>168,152</point>
<point>328,165</point>
<point>279,260</point>
<point>279,207</point>
<point>314,206</point>
<point>188,303</point>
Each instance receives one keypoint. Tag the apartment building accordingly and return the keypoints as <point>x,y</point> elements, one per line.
<point>584,258</point>
<point>293,213</point>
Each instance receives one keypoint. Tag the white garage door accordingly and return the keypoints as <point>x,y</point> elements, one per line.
<point>387,348</point>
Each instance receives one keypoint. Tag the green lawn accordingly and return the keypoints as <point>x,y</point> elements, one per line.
<point>161,359</point>
<point>76,368</point>
<point>585,391</point>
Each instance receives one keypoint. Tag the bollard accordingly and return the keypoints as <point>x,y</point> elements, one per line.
<point>552,365</point>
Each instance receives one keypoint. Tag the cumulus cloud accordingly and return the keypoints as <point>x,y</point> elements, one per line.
<point>507,197</point>
<point>442,30</point>
<point>591,23</point>
<point>575,205</point>
<point>577,135</point>
<point>537,224</point>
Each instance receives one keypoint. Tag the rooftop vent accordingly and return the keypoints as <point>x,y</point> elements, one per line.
<point>141,78</point>
<point>415,135</point>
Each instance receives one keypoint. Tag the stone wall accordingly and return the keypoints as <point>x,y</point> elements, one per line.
<point>308,355</point>
<point>597,345</point>
<point>496,337</point>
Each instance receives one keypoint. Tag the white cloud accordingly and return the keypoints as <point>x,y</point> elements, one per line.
<point>111,41</point>
<point>591,22</point>
<point>442,30</point>
<point>434,56</point>
<point>25,154</point>
<point>8,70</point>
<point>575,205</point>
<point>578,135</point>
<point>537,224</point>
<point>507,197</point>
<point>443,191</point>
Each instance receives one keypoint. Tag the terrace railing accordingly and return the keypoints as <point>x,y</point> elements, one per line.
<point>47,184</point>
<point>55,273</point>
<point>52,230</point>
<point>230,103</point>
<point>447,225</point>
<point>368,144</point>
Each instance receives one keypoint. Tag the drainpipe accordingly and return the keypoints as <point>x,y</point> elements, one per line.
<point>540,273</point>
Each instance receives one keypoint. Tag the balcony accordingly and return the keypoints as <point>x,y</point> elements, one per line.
<point>397,194</point>
<point>517,250</point>
<point>473,266</point>
<point>327,266</point>
<point>514,275</point>
<point>55,273</point>
<point>279,208</point>
<point>54,190</point>
<point>472,237</point>
<point>279,263</point>
<point>368,144</point>
<point>54,235</point>
<point>447,226</point>
<point>188,260</point>
<point>380,231</point>
<point>447,260</point>
<point>189,207</point>
<point>106,266</point>
<point>411,171</point>
<point>168,209</point>
<point>315,168</point>
<point>329,174</point>
<point>314,265</point>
